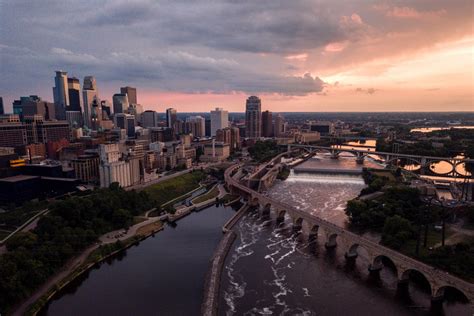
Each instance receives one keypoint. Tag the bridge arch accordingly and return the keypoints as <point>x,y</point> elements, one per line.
<point>407,160</point>
<point>381,261</point>
<point>431,164</point>
<point>281,215</point>
<point>420,277</point>
<point>355,250</point>
<point>448,291</point>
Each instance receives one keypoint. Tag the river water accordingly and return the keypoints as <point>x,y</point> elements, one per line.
<point>162,275</point>
<point>272,270</point>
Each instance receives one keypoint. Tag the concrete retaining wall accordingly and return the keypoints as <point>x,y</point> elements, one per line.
<point>210,302</point>
<point>234,219</point>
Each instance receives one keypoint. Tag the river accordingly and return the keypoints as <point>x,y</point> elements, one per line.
<point>271,270</point>
<point>162,275</point>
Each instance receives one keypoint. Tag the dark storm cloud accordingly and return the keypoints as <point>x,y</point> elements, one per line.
<point>209,45</point>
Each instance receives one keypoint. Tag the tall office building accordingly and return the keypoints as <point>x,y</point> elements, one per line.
<point>171,117</point>
<point>253,117</point>
<point>131,94</point>
<point>196,125</point>
<point>89,94</point>
<point>126,122</point>
<point>2,109</point>
<point>267,124</point>
<point>279,127</point>
<point>61,94</point>
<point>120,103</point>
<point>219,120</point>
<point>149,118</point>
<point>75,98</point>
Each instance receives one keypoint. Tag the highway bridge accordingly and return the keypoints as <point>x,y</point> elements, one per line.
<point>425,162</point>
<point>351,243</point>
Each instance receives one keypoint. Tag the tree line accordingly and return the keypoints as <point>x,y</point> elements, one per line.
<point>70,226</point>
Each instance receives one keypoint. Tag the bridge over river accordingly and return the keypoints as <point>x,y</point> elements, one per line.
<point>351,243</point>
<point>392,158</point>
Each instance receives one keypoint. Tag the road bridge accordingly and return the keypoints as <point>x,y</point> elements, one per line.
<point>352,243</point>
<point>393,158</point>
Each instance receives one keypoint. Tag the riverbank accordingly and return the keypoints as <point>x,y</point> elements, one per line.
<point>91,257</point>
<point>81,264</point>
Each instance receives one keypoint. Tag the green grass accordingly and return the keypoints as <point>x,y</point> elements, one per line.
<point>170,189</point>
<point>138,219</point>
<point>207,196</point>
<point>229,198</point>
<point>434,238</point>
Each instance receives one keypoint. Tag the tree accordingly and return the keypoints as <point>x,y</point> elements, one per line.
<point>22,239</point>
<point>396,231</point>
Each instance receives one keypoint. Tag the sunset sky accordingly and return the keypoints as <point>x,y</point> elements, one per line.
<point>297,55</point>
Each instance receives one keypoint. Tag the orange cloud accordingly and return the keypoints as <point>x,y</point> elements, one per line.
<point>411,13</point>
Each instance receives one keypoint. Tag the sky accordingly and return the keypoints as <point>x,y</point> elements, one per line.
<point>298,55</point>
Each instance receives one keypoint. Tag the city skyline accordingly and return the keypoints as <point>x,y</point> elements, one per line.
<point>312,57</point>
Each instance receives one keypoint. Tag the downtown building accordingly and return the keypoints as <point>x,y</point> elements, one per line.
<point>171,117</point>
<point>120,103</point>
<point>253,117</point>
<point>91,103</point>
<point>267,124</point>
<point>219,120</point>
<point>33,105</point>
<point>229,136</point>
<point>149,119</point>
<point>61,94</point>
<point>196,125</point>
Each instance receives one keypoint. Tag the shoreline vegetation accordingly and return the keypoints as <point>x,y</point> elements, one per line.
<point>99,213</point>
<point>406,223</point>
<point>95,258</point>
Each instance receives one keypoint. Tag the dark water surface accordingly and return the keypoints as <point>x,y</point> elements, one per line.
<point>162,275</point>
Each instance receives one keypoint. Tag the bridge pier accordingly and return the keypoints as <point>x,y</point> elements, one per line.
<point>375,268</point>
<point>334,154</point>
<point>402,286</point>
<point>331,241</point>
<point>351,255</point>
<point>266,210</point>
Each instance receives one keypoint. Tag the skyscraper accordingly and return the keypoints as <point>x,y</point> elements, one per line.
<point>2,110</point>
<point>196,125</point>
<point>89,94</point>
<point>74,91</point>
<point>267,124</point>
<point>61,94</point>
<point>120,103</point>
<point>253,117</point>
<point>131,94</point>
<point>149,118</point>
<point>219,120</point>
<point>171,117</point>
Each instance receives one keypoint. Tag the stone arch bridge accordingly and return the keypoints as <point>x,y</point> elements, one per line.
<point>351,243</point>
